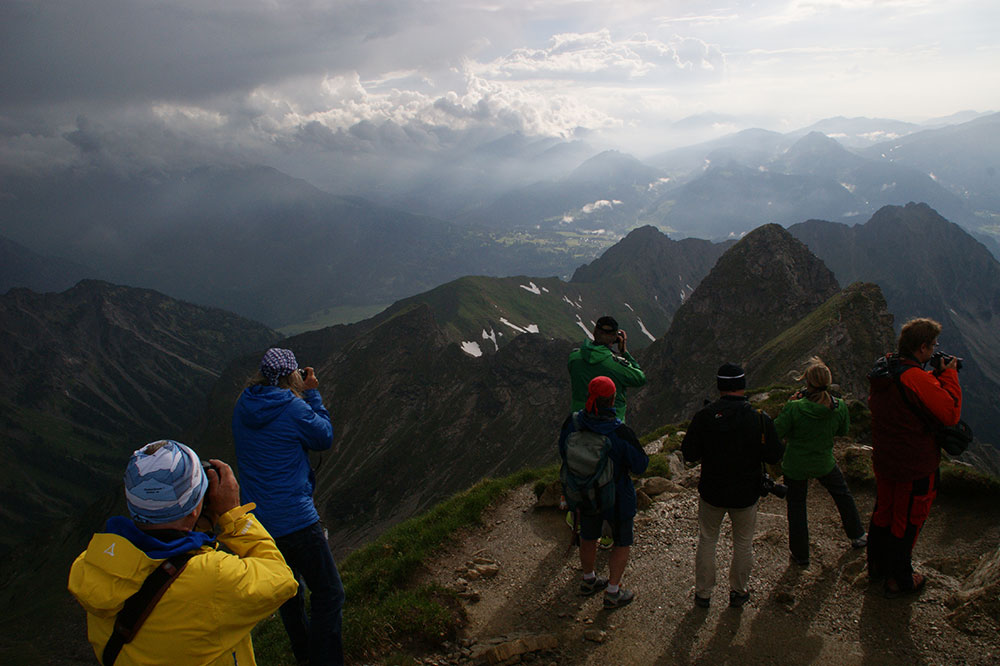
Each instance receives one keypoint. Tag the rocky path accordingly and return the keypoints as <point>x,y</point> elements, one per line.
<point>525,608</point>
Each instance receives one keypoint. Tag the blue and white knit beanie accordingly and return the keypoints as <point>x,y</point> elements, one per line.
<point>164,481</point>
<point>277,363</point>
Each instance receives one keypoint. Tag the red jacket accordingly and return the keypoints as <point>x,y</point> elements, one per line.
<point>904,446</point>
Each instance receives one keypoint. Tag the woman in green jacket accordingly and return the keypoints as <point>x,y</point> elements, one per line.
<point>809,423</point>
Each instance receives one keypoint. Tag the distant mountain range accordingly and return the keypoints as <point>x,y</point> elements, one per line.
<point>274,248</point>
<point>256,241</point>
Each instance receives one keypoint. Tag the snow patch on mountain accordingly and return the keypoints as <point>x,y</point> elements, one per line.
<point>492,336</point>
<point>643,328</point>
<point>533,288</point>
<point>472,348</point>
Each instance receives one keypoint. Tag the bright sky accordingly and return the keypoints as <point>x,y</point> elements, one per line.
<point>173,79</point>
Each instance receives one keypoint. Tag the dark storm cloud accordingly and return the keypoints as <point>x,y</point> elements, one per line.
<point>60,51</point>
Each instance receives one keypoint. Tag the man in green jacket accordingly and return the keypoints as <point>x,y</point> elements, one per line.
<point>597,358</point>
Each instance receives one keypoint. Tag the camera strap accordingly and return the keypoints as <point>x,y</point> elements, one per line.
<point>138,607</point>
<point>929,420</point>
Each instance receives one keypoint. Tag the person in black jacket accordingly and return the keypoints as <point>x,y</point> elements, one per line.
<point>731,440</point>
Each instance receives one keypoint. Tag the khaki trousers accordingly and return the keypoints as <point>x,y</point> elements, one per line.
<point>709,522</point>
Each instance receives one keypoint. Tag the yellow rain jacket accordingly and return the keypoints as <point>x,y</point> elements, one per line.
<point>206,614</point>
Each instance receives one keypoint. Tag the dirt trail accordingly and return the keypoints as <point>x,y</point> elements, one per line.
<point>825,614</point>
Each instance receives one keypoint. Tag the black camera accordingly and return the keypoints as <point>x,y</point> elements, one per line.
<point>303,373</point>
<point>939,358</point>
<point>769,485</point>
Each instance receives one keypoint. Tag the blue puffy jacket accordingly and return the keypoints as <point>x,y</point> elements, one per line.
<point>273,429</point>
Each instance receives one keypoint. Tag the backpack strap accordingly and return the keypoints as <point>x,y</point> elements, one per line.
<point>138,607</point>
<point>929,421</point>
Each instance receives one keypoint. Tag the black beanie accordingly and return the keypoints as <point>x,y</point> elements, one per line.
<point>731,378</point>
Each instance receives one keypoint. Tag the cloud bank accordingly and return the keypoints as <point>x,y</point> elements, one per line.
<point>147,84</point>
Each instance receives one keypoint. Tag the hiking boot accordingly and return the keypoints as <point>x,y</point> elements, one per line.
<point>736,600</point>
<point>591,587</point>
<point>860,542</point>
<point>620,598</point>
<point>605,542</point>
<point>893,591</point>
<point>702,602</point>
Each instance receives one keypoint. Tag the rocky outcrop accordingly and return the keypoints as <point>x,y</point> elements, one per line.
<point>848,333</point>
<point>759,288</point>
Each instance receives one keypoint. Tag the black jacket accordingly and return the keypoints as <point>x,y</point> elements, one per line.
<point>726,437</point>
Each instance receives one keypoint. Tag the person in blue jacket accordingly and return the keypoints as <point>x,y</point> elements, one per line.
<point>627,457</point>
<point>278,419</point>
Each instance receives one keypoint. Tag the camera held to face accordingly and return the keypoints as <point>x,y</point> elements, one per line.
<point>939,358</point>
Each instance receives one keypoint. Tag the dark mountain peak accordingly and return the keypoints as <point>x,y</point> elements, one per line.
<point>650,263</point>
<point>762,285</point>
<point>913,217</point>
<point>770,254</point>
<point>927,236</point>
<point>638,247</point>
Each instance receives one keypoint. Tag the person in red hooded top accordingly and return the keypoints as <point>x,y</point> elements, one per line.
<point>905,456</point>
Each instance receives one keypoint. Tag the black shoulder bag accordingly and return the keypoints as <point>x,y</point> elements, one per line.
<point>138,607</point>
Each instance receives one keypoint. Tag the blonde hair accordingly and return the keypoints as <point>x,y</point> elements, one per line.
<point>819,379</point>
<point>292,381</point>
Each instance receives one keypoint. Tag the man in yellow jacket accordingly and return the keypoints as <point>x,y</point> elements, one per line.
<point>206,614</point>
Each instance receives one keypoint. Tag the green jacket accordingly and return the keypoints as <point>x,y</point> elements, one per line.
<point>809,429</point>
<point>591,360</point>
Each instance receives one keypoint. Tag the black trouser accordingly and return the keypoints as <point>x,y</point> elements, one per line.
<point>798,525</point>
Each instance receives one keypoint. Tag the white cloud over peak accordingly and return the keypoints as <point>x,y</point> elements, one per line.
<point>597,56</point>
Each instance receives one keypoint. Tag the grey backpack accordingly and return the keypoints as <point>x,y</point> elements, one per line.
<point>587,471</point>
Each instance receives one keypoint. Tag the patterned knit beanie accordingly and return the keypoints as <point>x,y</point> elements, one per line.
<point>164,481</point>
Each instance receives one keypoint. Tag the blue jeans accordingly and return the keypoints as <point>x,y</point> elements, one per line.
<point>798,526</point>
<point>317,639</point>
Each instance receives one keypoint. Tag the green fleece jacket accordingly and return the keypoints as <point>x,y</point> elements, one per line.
<point>808,430</point>
<point>591,360</point>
